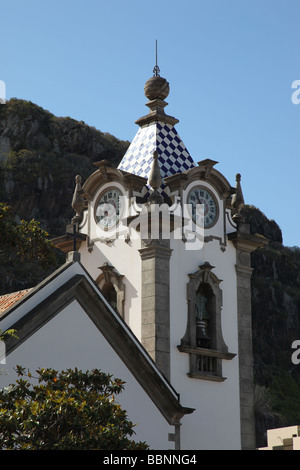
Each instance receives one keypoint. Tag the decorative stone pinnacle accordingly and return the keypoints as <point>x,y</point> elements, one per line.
<point>155,179</point>
<point>78,202</point>
<point>237,202</point>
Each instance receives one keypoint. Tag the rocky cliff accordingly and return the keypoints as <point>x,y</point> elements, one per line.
<point>40,156</point>
<point>276,325</point>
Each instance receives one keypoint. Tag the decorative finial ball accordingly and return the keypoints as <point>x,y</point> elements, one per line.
<point>156,88</point>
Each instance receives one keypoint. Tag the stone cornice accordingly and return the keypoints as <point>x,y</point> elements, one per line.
<point>65,243</point>
<point>155,251</point>
<point>107,173</point>
<point>156,116</point>
<point>206,352</point>
<point>203,172</point>
<point>246,241</point>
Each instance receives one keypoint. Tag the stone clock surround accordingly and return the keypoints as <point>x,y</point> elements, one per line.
<point>206,175</point>
<point>197,190</point>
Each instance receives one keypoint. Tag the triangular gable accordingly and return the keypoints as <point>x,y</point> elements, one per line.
<point>71,283</point>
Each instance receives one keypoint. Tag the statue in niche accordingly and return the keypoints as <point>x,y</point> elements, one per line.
<point>110,294</point>
<point>202,319</point>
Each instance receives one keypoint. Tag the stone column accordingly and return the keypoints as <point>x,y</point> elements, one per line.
<point>245,244</point>
<point>156,302</point>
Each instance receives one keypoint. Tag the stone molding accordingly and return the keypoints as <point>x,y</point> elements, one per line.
<point>107,173</point>
<point>203,172</point>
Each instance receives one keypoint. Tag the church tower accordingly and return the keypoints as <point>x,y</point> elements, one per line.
<point>163,238</point>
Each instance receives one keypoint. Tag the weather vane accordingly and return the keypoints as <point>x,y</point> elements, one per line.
<point>156,70</point>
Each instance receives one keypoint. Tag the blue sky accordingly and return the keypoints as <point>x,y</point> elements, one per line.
<point>230,65</point>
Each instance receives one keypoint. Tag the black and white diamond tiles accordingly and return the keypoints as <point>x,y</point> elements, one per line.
<point>173,155</point>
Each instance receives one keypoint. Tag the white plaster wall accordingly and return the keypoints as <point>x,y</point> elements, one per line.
<point>71,340</point>
<point>216,420</point>
<point>121,254</point>
<point>126,260</point>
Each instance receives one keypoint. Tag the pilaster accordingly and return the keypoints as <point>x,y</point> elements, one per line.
<point>245,243</point>
<point>155,334</point>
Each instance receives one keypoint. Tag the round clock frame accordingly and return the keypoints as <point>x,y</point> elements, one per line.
<point>108,216</point>
<point>202,195</point>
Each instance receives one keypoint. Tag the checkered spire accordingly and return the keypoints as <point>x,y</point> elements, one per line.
<point>172,154</point>
<point>156,133</point>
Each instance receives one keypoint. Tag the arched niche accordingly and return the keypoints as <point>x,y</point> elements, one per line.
<point>203,339</point>
<point>113,288</point>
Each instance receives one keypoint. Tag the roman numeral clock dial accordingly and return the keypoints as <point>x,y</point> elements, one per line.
<point>205,215</point>
<point>109,208</point>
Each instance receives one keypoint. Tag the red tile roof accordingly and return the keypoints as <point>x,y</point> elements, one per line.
<point>8,300</point>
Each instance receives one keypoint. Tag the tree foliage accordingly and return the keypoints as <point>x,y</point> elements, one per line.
<point>67,410</point>
<point>26,240</point>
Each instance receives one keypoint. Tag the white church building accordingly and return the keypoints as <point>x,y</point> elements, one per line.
<point>155,290</point>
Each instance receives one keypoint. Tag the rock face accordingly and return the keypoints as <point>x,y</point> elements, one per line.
<point>276,325</point>
<point>275,298</point>
<point>41,154</point>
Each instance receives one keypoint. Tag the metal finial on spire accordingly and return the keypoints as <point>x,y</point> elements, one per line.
<point>156,70</point>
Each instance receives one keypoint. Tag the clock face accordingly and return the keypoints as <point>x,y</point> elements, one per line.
<point>109,208</point>
<point>205,215</point>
